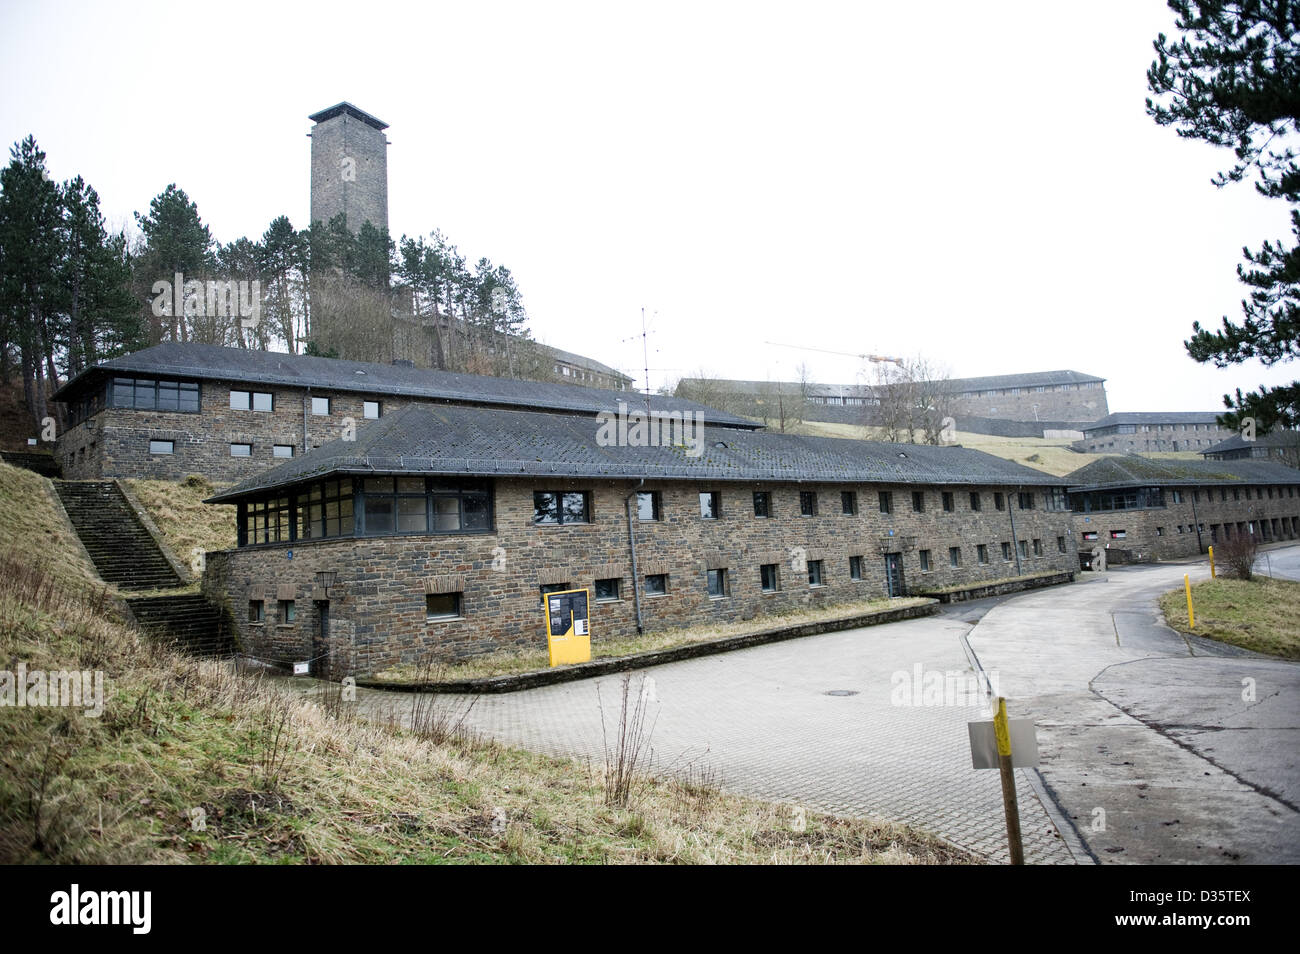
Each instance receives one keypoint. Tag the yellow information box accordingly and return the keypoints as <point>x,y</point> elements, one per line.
<point>568,626</point>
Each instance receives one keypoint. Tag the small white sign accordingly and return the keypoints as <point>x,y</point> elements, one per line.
<point>301,668</point>
<point>580,627</point>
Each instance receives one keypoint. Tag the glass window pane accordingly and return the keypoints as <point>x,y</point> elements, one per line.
<point>261,401</point>
<point>168,396</point>
<point>546,508</point>
<point>380,485</point>
<point>144,394</point>
<point>189,397</point>
<point>575,507</point>
<point>476,512</point>
<point>320,405</point>
<point>411,516</point>
<point>123,392</point>
<point>239,400</point>
<point>379,515</point>
<point>410,485</point>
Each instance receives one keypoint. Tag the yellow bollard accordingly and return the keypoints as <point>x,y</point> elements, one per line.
<point>1213,575</point>
<point>1187,588</point>
<point>1002,731</point>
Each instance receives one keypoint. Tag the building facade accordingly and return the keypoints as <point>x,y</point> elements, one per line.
<point>445,551</point>
<point>349,167</point>
<point>1145,432</point>
<point>1279,445</point>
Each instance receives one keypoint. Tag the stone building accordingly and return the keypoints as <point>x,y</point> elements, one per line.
<point>1142,509</point>
<point>1151,431</point>
<point>1280,445</point>
<point>440,528</point>
<point>228,413</point>
<point>349,167</point>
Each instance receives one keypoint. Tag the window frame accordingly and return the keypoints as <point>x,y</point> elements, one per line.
<point>714,498</point>
<point>155,443</point>
<point>766,497</point>
<point>365,410</point>
<point>715,583</point>
<point>817,570</point>
<point>559,496</point>
<point>807,503</point>
<point>458,605</point>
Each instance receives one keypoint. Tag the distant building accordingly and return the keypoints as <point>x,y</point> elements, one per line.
<point>586,371</point>
<point>1145,432</point>
<point>1278,445</point>
<point>349,167</point>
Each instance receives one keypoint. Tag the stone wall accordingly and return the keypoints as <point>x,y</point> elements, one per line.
<point>377,609</point>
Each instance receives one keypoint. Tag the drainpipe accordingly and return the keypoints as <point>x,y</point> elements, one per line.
<point>306,405</point>
<point>631,545</point>
<point>1015,544</point>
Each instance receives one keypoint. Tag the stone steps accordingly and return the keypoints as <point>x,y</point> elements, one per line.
<point>123,551</point>
<point>187,620</point>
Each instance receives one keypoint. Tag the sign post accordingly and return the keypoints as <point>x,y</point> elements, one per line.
<point>568,627</point>
<point>991,747</point>
<point>1191,613</point>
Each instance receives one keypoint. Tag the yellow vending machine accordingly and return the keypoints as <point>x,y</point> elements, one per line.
<point>568,627</point>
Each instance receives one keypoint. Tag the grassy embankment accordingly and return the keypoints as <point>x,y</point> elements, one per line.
<point>1260,614</point>
<point>192,761</point>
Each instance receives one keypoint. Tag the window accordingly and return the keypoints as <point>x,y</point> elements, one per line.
<point>267,521</point>
<point>717,582</point>
<point>1023,546</point>
<point>325,510</point>
<point>442,606</point>
<point>251,401</point>
<point>808,503</point>
<point>552,588</point>
<point>1038,547</point>
<point>143,394</point>
<point>320,406</point>
<point>262,401</point>
<point>886,501</point>
<point>1118,534</point>
<point>982,553</point>
<point>848,502</point>
<point>855,568</point>
<point>647,505</point>
<point>162,447</point>
<point>1006,550</point>
<point>767,576</point>
<point>282,450</point>
<point>918,501</point>
<point>1060,541</point>
<point>1056,499</point>
<point>607,590</point>
<point>1160,531</point>
<point>710,505</point>
<point>975,501</point>
<point>371,409</point>
<point>925,561</point>
<point>815,573</point>
<point>656,584</point>
<point>241,450</point>
<point>1026,500</point>
<point>1090,535</point>
<point>999,502</point>
<point>287,612</point>
<point>762,503</point>
<point>954,556</point>
<point>552,507</point>
<point>948,506</point>
<point>256,611</point>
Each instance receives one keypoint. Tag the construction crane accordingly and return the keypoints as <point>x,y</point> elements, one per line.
<point>874,358</point>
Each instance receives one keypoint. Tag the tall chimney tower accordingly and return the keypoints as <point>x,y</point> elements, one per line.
<point>349,167</point>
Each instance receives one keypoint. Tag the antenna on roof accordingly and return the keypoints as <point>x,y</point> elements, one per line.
<point>645,358</point>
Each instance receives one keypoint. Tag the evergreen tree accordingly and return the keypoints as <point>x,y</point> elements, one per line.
<point>176,242</point>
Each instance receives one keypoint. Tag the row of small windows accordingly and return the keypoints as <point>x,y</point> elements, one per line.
<point>320,406</point>
<point>926,557</point>
<point>285,612</point>
<point>165,448</point>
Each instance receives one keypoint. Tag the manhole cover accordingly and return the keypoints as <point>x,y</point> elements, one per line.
<point>842,692</point>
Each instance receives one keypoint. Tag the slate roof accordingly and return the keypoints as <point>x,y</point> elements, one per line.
<point>1272,439</point>
<point>211,362</point>
<point>451,440</point>
<point>339,109</point>
<point>1154,417</point>
<point>1134,471</point>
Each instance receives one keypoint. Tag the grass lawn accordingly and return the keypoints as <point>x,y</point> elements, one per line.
<point>1262,614</point>
<point>509,663</point>
<point>185,521</point>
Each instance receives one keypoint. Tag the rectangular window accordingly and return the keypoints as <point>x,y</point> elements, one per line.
<point>1056,499</point>
<point>1090,535</point>
<point>710,505</point>
<point>974,500</point>
<point>762,503</point>
<point>325,510</point>
<point>855,568</point>
<point>1038,547</point>
<point>371,410</point>
<point>848,502</point>
<point>241,450</point>
<point>815,573</point>
<point>1023,546</point>
<point>262,401</point>
<point>999,502</point>
<point>320,406</point>
<point>647,505</point>
<point>918,501</point>
<point>808,503</point>
<point>717,582</point>
<point>1060,541</point>
<point>256,611</point>
<point>1006,550</point>
<point>954,556</point>
<point>1118,534</point>
<point>442,606</point>
<point>925,561</point>
<point>162,447</point>
<point>607,590</point>
<point>1026,500</point>
<point>287,612</point>
<point>1160,531</point>
<point>241,401</point>
<point>552,588</point>
<point>982,553</point>
<point>656,584</point>
<point>552,507</point>
<point>767,575</point>
<point>886,501</point>
<point>948,506</point>
<point>282,450</point>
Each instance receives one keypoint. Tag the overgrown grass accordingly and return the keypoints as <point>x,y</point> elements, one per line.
<point>1260,614</point>
<point>518,661</point>
<point>34,526</point>
<point>185,521</point>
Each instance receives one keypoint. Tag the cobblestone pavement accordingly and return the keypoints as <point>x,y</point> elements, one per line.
<point>764,721</point>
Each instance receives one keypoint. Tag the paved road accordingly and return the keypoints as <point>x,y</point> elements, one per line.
<point>1129,721</point>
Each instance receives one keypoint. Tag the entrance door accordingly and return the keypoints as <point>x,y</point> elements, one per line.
<point>320,641</point>
<point>894,573</point>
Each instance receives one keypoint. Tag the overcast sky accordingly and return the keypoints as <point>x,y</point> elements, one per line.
<point>978,183</point>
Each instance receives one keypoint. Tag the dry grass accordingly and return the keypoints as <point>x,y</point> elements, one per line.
<point>185,521</point>
<point>1260,614</point>
<point>519,661</point>
<point>34,524</point>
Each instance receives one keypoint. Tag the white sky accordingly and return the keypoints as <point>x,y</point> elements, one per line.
<point>976,182</point>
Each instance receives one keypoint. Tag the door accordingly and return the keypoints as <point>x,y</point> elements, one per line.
<point>320,641</point>
<point>894,574</point>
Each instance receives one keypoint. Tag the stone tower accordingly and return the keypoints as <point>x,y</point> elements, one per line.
<point>349,167</point>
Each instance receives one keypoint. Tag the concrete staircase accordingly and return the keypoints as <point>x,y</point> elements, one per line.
<point>123,551</point>
<point>189,620</point>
